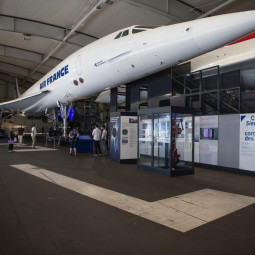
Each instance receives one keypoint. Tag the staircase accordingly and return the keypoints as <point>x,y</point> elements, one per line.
<point>204,92</point>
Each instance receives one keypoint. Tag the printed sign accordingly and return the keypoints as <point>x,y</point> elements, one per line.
<point>247,142</point>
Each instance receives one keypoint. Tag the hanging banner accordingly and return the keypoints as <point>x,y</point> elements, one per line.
<point>115,138</point>
<point>247,142</point>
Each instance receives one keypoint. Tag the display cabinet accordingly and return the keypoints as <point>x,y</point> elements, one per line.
<point>166,140</point>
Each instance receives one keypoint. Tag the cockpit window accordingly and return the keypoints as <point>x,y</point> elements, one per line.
<point>125,33</point>
<point>135,31</point>
<point>118,35</point>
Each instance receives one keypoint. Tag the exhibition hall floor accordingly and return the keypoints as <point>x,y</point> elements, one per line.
<point>53,203</point>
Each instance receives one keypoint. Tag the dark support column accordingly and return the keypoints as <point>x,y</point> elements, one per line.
<point>113,104</point>
<point>0,118</point>
<point>202,105</point>
<point>218,90</point>
<point>128,98</point>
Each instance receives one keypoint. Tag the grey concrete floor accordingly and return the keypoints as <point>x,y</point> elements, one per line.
<point>38,217</point>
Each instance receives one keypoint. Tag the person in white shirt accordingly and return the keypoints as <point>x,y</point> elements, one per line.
<point>96,137</point>
<point>103,139</point>
<point>33,136</point>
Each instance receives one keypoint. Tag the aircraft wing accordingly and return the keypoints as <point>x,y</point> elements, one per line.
<point>26,103</point>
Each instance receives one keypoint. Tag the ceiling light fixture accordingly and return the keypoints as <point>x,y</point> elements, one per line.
<point>109,1</point>
<point>26,37</point>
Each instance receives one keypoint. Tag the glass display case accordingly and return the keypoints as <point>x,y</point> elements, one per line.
<point>165,143</point>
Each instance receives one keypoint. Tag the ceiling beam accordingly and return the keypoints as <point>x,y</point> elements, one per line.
<point>36,28</point>
<point>194,9</point>
<point>216,9</point>
<point>26,55</point>
<point>152,9</point>
<point>12,79</point>
<point>176,11</point>
<point>16,70</point>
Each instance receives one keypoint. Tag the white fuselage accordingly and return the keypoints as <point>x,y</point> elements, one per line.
<point>226,56</point>
<point>110,62</point>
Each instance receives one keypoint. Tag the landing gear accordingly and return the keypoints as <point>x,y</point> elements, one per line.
<point>64,110</point>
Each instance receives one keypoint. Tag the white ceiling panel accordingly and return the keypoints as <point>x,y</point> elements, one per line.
<point>65,51</point>
<point>233,6</point>
<point>118,16</point>
<point>12,69</point>
<point>204,5</point>
<point>23,64</point>
<point>44,69</point>
<point>58,12</point>
<point>17,62</point>
<point>16,40</point>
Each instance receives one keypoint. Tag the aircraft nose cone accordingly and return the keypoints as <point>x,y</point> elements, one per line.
<point>220,30</point>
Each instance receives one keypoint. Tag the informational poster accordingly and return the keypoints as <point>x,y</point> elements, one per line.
<point>208,145</point>
<point>188,138</point>
<point>145,136</point>
<point>128,137</point>
<point>115,138</point>
<point>247,142</point>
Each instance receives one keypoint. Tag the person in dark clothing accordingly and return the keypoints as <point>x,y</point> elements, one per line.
<point>10,140</point>
<point>20,134</point>
<point>96,137</point>
<point>73,137</point>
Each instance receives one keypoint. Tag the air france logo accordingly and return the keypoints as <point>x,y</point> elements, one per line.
<point>60,73</point>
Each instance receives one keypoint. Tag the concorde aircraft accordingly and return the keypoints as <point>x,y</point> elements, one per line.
<point>236,55</point>
<point>229,57</point>
<point>127,55</point>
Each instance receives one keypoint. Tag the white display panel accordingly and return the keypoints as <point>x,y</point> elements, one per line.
<point>196,139</point>
<point>145,137</point>
<point>188,139</point>
<point>208,152</point>
<point>247,142</point>
<point>128,137</point>
<point>184,140</point>
<point>208,145</point>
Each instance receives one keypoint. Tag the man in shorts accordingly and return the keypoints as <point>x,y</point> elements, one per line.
<point>73,138</point>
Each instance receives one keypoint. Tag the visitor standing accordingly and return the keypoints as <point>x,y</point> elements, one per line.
<point>10,140</point>
<point>73,138</point>
<point>33,136</point>
<point>20,135</point>
<point>103,139</point>
<point>96,138</point>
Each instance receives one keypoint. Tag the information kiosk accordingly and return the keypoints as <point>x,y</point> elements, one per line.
<point>123,137</point>
<point>166,140</point>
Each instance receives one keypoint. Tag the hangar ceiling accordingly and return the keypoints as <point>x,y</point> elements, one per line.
<point>37,35</point>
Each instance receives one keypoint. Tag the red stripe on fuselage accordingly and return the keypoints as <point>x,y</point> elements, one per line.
<point>245,38</point>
